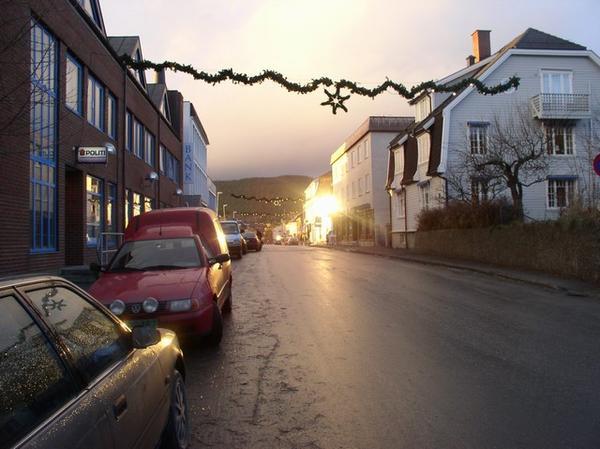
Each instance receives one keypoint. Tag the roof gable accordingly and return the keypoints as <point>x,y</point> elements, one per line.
<point>533,39</point>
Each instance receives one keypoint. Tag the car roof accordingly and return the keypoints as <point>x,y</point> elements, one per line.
<point>25,279</point>
<point>170,223</point>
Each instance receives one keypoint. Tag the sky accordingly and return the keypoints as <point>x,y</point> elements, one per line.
<point>265,130</point>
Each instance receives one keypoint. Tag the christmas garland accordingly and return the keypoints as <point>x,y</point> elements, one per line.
<point>277,201</point>
<point>336,99</point>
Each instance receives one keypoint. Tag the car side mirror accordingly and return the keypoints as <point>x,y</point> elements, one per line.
<point>96,268</point>
<point>221,258</point>
<point>144,337</point>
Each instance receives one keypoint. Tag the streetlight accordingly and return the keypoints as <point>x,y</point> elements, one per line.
<point>224,214</point>
<point>218,195</point>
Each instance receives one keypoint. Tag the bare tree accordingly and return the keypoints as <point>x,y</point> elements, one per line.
<point>512,154</point>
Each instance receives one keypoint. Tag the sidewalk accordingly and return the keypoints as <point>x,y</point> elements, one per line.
<point>571,287</point>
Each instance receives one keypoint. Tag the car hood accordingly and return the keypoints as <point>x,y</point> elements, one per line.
<point>137,286</point>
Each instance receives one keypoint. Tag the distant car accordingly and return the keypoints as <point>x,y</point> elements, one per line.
<point>74,376</point>
<point>252,241</point>
<point>233,234</point>
<point>292,241</point>
<point>172,271</point>
<point>278,240</point>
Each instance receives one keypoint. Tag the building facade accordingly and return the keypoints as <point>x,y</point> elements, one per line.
<point>65,95</point>
<point>359,175</point>
<point>198,188</point>
<point>558,99</point>
<point>319,208</point>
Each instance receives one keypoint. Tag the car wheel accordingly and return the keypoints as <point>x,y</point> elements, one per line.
<point>216,332</point>
<point>177,432</point>
<point>229,301</point>
<point>240,254</point>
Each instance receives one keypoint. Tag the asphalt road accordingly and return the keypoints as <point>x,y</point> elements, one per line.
<point>327,349</point>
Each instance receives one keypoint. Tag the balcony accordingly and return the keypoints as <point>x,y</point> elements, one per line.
<point>561,106</point>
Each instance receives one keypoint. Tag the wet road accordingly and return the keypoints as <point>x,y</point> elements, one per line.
<point>328,349</point>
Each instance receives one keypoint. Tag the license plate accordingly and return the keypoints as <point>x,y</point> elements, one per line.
<point>143,323</point>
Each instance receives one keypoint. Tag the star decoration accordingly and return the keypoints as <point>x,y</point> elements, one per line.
<point>335,100</point>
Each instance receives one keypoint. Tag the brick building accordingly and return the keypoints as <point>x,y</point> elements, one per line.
<point>63,87</point>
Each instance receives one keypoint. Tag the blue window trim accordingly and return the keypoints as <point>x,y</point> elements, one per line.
<point>150,155</point>
<point>112,129</point>
<point>50,229</point>
<point>75,61</point>
<point>139,132</point>
<point>101,208</point>
<point>128,131</point>
<point>91,120</point>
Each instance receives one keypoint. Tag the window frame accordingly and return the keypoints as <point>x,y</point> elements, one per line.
<point>112,116</point>
<point>80,79</point>
<point>570,196</point>
<point>425,136</point>
<point>567,72</point>
<point>93,84</point>
<point>101,197</point>
<point>481,130</point>
<point>149,150</point>
<point>128,142</point>
<point>551,145</point>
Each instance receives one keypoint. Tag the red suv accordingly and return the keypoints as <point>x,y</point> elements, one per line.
<point>172,271</point>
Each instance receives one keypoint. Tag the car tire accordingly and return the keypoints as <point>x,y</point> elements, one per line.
<point>240,254</point>
<point>177,431</point>
<point>216,332</point>
<point>228,304</point>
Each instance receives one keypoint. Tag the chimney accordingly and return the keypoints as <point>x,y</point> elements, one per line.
<point>470,60</point>
<point>481,44</point>
<point>161,77</point>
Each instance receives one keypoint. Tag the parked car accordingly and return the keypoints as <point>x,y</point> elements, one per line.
<point>235,240</point>
<point>172,271</point>
<point>74,376</point>
<point>252,241</point>
<point>293,241</point>
<point>278,240</point>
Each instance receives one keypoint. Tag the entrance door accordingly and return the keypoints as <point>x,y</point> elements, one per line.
<point>74,216</point>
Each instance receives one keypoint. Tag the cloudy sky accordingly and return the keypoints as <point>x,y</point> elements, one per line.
<point>266,131</point>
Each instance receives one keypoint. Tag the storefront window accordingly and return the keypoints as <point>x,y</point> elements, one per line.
<point>95,194</point>
<point>111,214</point>
<point>148,204</point>
<point>137,204</point>
<point>127,207</point>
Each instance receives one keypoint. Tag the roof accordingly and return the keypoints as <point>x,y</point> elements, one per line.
<point>22,279</point>
<point>532,39</point>
<point>157,93</point>
<point>124,45</point>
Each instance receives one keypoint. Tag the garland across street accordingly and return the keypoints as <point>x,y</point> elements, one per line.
<point>334,99</point>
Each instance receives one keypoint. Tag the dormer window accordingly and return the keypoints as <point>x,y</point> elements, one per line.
<point>399,161</point>
<point>91,8</point>
<point>139,74</point>
<point>423,108</point>
<point>164,108</point>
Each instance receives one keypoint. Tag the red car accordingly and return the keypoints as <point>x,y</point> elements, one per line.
<point>172,271</point>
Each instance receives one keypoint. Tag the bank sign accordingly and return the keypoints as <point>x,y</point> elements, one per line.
<point>92,155</point>
<point>188,165</point>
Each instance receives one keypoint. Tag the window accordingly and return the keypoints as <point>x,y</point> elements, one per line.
<point>399,161</point>
<point>94,341</point>
<point>400,209</point>
<point>148,202</point>
<point>561,192</point>
<point>353,158</point>
<point>34,380</point>
<point>74,85</point>
<point>367,183</point>
<point>111,213</point>
<point>171,166</point>
<point>161,158</point>
<point>128,131</point>
<point>360,187</point>
<point>559,140</point>
<point>43,135</point>
<point>95,102</point>
<point>425,193</point>
<point>138,139</point>
<point>95,201</point>
<point>423,143</point>
<point>91,9</point>
<point>149,149</point>
<point>128,207</point>
<point>137,204</point>
<point>139,74</point>
<point>164,108</point>
<point>479,191</point>
<point>145,254</point>
<point>557,82</point>
<point>478,137</point>
<point>367,149</point>
<point>111,109</point>
<point>359,153</point>
<point>423,108</point>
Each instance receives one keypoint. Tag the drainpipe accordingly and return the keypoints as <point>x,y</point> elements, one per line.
<point>405,218</point>
<point>391,222</point>
<point>123,136</point>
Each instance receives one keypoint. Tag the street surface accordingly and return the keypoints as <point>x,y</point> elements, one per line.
<point>328,349</point>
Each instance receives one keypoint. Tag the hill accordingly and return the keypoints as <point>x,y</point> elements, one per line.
<point>289,186</point>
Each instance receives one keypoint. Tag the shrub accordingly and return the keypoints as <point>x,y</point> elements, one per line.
<point>461,215</point>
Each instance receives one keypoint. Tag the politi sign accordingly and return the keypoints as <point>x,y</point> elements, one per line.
<point>92,155</point>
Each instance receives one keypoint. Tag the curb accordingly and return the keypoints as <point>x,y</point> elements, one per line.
<point>439,263</point>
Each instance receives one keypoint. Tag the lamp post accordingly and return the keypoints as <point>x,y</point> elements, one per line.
<point>218,195</point>
<point>224,213</point>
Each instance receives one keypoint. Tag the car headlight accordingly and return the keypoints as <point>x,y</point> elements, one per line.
<point>150,305</point>
<point>181,305</point>
<point>117,307</point>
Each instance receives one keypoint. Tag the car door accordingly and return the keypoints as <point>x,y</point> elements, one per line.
<point>128,384</point>
<point>43,405</point>
<point>221,273</point>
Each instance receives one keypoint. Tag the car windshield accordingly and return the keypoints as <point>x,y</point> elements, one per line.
<point>249,235</point>
<point>230,228</point>
<point>162,254</point>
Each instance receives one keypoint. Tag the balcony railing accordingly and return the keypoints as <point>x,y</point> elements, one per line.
<point>561,106</point>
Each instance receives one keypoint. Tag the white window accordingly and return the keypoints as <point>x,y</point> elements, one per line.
<point>399,161</point>
<point>478,137</point>
<point>400,205</point>
<point>424,144</point>
<point>353,156</point>
<point>557,82</point>
<point>423,108</point>
<point>360,187</point>
<point>561,192</point>
<point>95,105</point>
<point>74,85</point>
<point>367,183</point>
<point>366,148</point>
<point>479,191</point>
<point>559,140</point>
<point>425,194</point>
